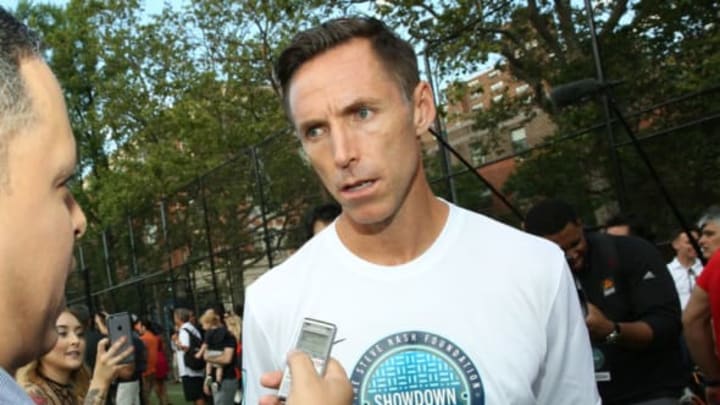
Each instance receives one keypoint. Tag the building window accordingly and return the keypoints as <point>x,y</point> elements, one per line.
<point>520,90</point>
<point>478,107</point>
<point>493,73</point>
<point>497,98</point>
<point>518,139</point>
<point>476,92</point>
<point>497,87</point>
<point>477,154</point>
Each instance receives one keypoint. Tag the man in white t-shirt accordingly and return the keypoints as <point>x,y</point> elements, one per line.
<point>192,380</point>
<point>684,267</point>
<point>433,303</point>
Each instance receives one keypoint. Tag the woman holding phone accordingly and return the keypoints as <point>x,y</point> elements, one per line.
<point>60,376</point>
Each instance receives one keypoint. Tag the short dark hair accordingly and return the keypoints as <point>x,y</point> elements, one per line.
<point>17,43</point>
<point>325,212</point>
<point>549,217</point>
<point>636,226</point>
<point>397,55</point>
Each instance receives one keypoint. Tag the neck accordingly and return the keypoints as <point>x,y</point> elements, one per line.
<point>55,374</point>
<point>404,236</point>
<point>686,262</point>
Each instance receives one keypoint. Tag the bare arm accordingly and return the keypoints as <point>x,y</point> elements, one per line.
<point>224,359</point>
<point>698,334</point>
<point>95,396</point>
<point>201,352</point>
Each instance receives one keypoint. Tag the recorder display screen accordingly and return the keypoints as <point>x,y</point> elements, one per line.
<point>313,343</point>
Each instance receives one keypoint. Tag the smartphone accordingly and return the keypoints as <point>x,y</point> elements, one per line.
<point>316,339</point>
<point>118,325</point>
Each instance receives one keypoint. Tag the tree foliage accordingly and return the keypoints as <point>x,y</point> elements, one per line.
<point>659,50</point>
<point>168,105</point>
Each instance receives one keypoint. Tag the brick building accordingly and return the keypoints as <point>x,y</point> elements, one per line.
<point>480,146</point>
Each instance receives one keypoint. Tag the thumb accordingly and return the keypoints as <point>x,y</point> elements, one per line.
<point>301,367</point>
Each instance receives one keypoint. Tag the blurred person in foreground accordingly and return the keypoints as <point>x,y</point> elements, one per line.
<point>511,329</point>
<point>37,211</point>
<point>701,318</point>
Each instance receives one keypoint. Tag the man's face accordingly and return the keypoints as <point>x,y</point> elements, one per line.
<point>359,131</point>
<point>710,238</point>
<point>39,218</point>
<point>682,246</point>
<point>572,241</point>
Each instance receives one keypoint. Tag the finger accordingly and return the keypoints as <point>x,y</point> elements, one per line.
<point>122,356</point>
<point>339,384</point>
<point>115,347</point>
<point>102,345</point>
<point>301,369</point>
<point>271,379</point>
<point>269,400</point>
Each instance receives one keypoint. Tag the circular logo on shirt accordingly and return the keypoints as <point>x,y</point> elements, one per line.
<point>417,368</point>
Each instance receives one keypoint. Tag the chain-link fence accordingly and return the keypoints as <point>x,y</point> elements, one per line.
<point>204,243</point>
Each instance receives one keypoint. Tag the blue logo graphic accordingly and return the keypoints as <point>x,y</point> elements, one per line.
<point>416,368</point>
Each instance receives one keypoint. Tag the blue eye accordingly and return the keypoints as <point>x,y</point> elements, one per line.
<point>313,132</point>
<point>363,113</point>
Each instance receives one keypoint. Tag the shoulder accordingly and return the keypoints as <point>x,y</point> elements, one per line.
<point>37,393</point>
<point>527,260</point>
<point>228,340</point>
<point>500,238</point>
<point>710,273</point>
<point>634,246</point>
<point>284,277</point>
<point>187,327</point>
<point>714,262</point>
<point>629,251</point>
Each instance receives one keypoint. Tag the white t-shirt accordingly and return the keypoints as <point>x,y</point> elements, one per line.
<point>487,315</point>
<point>684,281</point>
<point>184,339</point>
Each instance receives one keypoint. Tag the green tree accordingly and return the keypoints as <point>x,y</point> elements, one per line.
<point>659,49</point>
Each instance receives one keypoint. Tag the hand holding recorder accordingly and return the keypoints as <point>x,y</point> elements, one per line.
<point>308,387</point>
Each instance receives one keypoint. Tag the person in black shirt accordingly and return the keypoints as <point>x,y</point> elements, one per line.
<point>633,311</point>
<point>223,356</point>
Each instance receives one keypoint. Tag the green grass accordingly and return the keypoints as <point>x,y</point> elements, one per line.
<point>175,394</point>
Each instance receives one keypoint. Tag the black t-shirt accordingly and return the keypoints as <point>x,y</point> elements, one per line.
<point>220,339</point>
<point>215,338</point>
<point>626,278</point>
